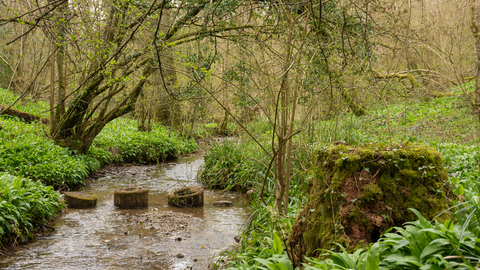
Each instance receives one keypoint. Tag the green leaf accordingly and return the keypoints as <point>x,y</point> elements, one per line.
<point>400,244</point>
<point>429,250</point>
<point>424,223</point>
<point>402,260</point>
<point>459,190</point>
<point>277,266</point>
<point>263,261</point>
<point>466,224</point>
<point>373,258</point>
<point>277,245</point>
<point>343,259</point>
<point>431,267</point>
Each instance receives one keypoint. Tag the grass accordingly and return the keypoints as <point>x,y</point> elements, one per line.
<point>447,119</point>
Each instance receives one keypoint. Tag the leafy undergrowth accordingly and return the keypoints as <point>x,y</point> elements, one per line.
<point>131,145</point>
<point>447,119</point>
<point>32,165</point>
<point>38,108</point>
<point>209,130</point>
<point>242,164</point>
<point>24,204</point>
<point>445,123</point>
<point>26,152</point>
<point>233,165</point>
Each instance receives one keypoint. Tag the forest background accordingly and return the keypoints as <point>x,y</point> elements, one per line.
<point>228,61</point>
<point>304,67</point>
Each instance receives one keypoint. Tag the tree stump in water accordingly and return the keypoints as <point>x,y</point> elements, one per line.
<point>186,197</point>
<point>80,199</point>
<point>131,198</point>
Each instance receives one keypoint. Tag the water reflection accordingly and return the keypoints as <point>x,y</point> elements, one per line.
<point>108,238</point>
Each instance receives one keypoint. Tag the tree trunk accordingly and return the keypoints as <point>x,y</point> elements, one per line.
<point>476,33</point>
<point>23,115</point>
<point>223,127</point>
<point>52,93</point>
<point>61,43</point>
<point>356,108</point>
<point>79,126</point>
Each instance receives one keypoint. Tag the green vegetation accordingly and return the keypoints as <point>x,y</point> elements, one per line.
<point>425,120</point>
<point>24,204</point>
<point>26,152</point>
<point>233,165</point>
<point>241,164</point>
<point>357,193</point>
<point>32,165</point>
<point>444,123</point>
<point>131,145</point>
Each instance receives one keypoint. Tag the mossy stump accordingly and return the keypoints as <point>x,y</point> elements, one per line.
<point>358,193</point>
<point>131,198</point>
<point>186,197</point>
<point>80,199</point>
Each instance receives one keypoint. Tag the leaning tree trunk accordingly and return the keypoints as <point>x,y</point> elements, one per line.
<point>79,125</point>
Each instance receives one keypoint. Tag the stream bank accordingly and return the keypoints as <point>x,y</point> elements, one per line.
<point>159,237</point>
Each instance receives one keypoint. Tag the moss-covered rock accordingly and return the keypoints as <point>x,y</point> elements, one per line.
<point>358,193</point>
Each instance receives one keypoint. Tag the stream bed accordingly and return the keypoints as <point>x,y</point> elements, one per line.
<point>158,237</point>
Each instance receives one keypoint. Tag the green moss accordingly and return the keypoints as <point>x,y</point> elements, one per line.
<point>366,153</point>
<point>322,230</point>
<point>81,200</point>
<point>371,192</point>
<point>84,196</point>
<point>357,193</point>
<point>337,179</point>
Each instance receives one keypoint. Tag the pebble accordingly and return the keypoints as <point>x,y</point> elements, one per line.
<point>179,255</point>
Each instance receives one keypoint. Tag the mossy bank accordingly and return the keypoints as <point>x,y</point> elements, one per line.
<point>358,192</point>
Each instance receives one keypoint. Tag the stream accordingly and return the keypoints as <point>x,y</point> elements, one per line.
<point>159,237</point>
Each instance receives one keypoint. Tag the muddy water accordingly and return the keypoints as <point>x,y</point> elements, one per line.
<point>110,238</point>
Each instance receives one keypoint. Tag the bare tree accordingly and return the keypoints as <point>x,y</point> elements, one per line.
<point>114,47</point>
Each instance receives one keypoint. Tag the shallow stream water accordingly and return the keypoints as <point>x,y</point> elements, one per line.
<point>109,238</point>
